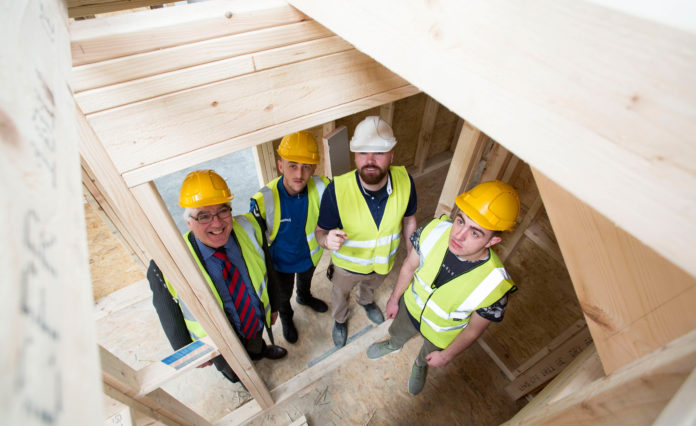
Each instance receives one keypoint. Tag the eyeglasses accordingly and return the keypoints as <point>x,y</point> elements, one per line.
<point>205,218</point>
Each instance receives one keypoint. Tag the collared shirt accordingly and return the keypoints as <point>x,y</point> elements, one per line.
<point>214,268</point>
<point>289,249</point>
<point>329,217</point>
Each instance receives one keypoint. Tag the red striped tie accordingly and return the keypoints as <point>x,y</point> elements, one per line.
<point>248,319</point>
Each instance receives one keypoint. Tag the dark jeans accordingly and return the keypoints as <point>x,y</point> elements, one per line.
<point>286,283</point>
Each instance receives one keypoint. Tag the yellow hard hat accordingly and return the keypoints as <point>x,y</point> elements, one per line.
<point>300,147</point>
<point>204,188</point>
<point>493,205</point>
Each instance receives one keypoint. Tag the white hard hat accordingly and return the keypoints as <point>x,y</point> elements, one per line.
<point>372,135</point>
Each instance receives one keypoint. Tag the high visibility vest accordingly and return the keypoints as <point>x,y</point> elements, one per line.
<point>368,248</point>
<point>445,311</point>
<point>268,201</point>
<point>248,234</point>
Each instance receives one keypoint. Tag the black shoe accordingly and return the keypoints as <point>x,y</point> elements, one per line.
<point>289,330</point>
<point>274,352</point>
<point>314,303</point>
<point>340,334</point>
<point>373,313</point>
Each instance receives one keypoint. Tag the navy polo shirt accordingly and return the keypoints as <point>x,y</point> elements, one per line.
<point>289,249</point>
<point>376,201</point>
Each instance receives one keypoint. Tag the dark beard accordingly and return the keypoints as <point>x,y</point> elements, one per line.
<point>372,179</point>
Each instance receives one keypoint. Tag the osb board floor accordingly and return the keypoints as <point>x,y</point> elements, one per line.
<point>364,391</point>
<point>111,267</point>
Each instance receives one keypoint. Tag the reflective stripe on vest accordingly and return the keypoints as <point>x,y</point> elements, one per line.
<point>443,312</point>
<point>370,249</point>
<point>248,235</point>
<point>268,201</point>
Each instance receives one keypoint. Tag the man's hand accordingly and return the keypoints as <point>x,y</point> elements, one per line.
<point>274,317</point>
<point>335,239</point>
<point>438,359</point>
<point>392,308</point>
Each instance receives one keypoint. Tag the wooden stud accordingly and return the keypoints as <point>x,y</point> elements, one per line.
<point>78,8</point>
<point>496,163</point>
<point>650,381</point>
<point>627,292</point>
<point>425,133</point>
<point>464,161</point>
<point>96,40</point>
<point>386,112</point>
<point>265,161</point>
<point>513,241</point>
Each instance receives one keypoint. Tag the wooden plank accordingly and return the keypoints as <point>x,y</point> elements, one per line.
<point>386,112</point>
<point>425,133</point>
<point>548,367</point>
<point>147,132</point>
<point>629,291</point>
<point>597,103</point>
<point>466,156</point>
<point>554,344</point>
<point>583,370</point>
<point>265,161</point>
<point>116,413</point>
<point>300,51</point>
<point>635,393</point>
<point>120,396</point>
<point>49,357</point>
<point>149,87</point>
<point>204,309</point>
<point>122,298</point>
<point>496,163</point>
<point>681,409</point>
<point>133,67</point>
<point>95,40</point>
<point>78,8</point>
<point>248,140</point>
<point>513,241</point>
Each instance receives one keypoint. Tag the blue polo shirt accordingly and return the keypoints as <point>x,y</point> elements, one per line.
<point>329,217</point>
<point>214,268</point>
<point>289,249</point>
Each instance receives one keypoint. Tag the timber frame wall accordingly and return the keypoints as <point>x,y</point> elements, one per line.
<point>601,102</point>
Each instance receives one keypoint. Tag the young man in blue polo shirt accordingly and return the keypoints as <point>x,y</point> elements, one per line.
<point>362,216</point>
<point>288,208</point>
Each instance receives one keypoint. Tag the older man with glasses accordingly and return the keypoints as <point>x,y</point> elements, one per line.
<point>230,253</point>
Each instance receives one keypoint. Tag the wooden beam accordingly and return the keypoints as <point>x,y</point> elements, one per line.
<point>50,366</point>
<point>596,115</point>
<point>147,132</point>
<point>550,365</point>
<point>496,163</point>
<point>425,133</point>
<point>228,146</point>
<point>635,394</point>
<point>627,292</point>
<point>78,8</point>
<point>191,54</point>
<point>464,161</point>
<point>136,218</point>
<point>121,383</point>
<point>195,292</point>
<point>513,241</point>
<point>95,40</point>
<point>386,112</point>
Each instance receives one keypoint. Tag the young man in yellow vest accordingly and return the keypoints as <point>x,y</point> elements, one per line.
<point>288,208</point>
<point>362,215</point>
<point>229,252</point>
<point>452,285</point>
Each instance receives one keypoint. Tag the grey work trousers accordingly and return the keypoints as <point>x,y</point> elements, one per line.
<point>343,282</point>
<point>402,329</point>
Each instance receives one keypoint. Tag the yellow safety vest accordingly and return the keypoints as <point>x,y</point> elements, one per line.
<point>445,311</point>
<point>368,248</point>
<point>248,234</point>
<point>268,201</point>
